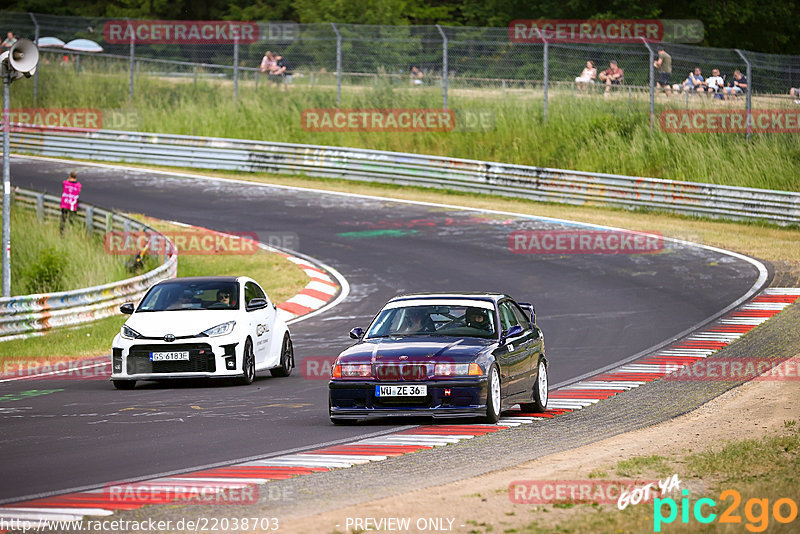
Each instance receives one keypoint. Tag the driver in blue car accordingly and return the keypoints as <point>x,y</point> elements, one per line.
<point>418,321</point>
<point>478,318</point>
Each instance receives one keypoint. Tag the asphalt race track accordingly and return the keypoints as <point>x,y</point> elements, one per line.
<point>595,309</point>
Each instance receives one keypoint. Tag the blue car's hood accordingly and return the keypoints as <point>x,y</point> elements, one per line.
<point>415,349</point>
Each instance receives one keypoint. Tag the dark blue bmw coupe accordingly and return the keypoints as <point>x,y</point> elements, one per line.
<point>442,355</point>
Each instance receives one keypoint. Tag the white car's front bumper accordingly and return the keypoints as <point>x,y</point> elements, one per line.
<point>209,357</point>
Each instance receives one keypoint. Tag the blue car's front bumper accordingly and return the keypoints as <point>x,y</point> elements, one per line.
<point>356,399</point>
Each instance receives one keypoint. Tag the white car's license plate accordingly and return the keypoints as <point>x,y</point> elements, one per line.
<point>169,356</point>
<point>401,391</point>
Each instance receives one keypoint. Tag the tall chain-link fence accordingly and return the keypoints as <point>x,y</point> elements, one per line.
<point>450,61</point>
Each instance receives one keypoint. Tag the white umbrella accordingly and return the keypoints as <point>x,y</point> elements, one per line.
<point>83,45</point>
<point>50,41</point>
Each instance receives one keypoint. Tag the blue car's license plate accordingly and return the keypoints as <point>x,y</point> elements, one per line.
<point>401,391</point>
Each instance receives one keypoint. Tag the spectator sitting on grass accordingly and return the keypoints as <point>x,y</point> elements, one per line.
<point>611,76</point>
<point>9,41</point>
<point>587,76</point>
<point>268,63</point>
<point>416,76</point>
<point>795,91</point>
<point>283,69</point>
<point>715,83</point>
<point>663,65</point>
<point>737,86</point>
<point>695,81</point>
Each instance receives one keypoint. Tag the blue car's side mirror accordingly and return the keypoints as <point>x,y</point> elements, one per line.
<point>356,333</point>
<point>511,332</point>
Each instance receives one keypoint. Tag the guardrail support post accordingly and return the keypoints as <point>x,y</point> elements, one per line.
<point>338,65</point>
<point>109,221</point>
<point>444,66</point>
<point>40,207</point>
<point>652,84</point>
<point>132,65</point>
<point>89,218</point>
<point>749,86</point>
<point>35,74</point>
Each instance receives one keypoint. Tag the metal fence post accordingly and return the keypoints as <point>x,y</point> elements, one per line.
<point>235,68</point>
<point>35,74</point>
<point>338,65</point>
<point>444,65</point>
<point>6,187</point>
<point>652,84</point>
<point>545,73</point>
<point>749,86</point>
<point>546,61</point>
<point>132,63</point>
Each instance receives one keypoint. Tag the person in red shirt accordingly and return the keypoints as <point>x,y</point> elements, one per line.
<point>612,75</point>
<point>69,199</point>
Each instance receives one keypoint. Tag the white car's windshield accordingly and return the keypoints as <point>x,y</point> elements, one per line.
<point>434,320</point>
<point>191,295</point>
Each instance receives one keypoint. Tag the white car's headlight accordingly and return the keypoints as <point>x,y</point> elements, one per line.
<point>129,333</point>
<point>220,329</point>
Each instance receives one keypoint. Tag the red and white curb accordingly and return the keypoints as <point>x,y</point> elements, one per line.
<point>326,288</point>
<point>676,356</point>
<point>317,294</point>
<point>702,344</point>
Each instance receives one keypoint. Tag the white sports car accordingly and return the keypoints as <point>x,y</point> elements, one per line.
<point>202,327</point>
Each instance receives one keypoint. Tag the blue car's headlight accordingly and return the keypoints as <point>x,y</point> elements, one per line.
<point>219,330</point>
<point>129,333</point>
<point>457,369</point>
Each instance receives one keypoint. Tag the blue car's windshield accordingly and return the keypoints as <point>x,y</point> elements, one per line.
<point>191,295</point>
<point>434,320</point>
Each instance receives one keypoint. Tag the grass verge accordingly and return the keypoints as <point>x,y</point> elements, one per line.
<point>280,279</point>
<point>44,260</point>
<point>760,471</point>
<point>588,133</point>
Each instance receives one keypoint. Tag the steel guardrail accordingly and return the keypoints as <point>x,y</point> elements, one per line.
<point>25,315</point>
<point>521,181</point>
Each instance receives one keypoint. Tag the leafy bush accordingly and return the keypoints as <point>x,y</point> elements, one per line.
<point>46,273</point>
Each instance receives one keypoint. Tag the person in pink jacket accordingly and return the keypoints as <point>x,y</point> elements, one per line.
<point>69,199</point>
